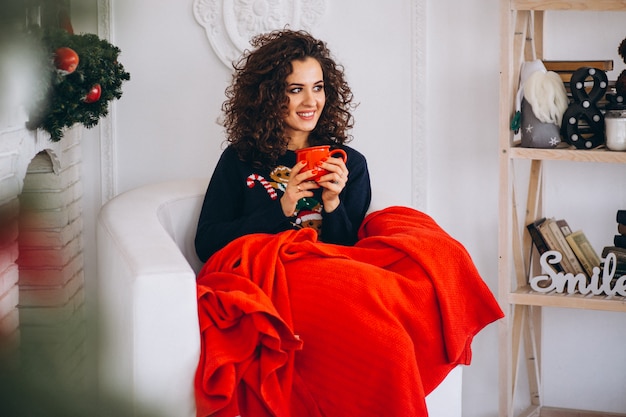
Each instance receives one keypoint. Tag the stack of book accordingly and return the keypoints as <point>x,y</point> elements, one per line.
<point>620,238</point>
<point>578,256</point>
<point>619,244</point>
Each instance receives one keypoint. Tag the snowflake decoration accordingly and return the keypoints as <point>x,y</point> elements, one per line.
<point>554,141</point>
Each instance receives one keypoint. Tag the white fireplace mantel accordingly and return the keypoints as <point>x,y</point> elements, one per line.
<point>18,146</point>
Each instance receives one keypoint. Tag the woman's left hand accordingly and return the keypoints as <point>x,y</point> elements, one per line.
<point>333,182</point>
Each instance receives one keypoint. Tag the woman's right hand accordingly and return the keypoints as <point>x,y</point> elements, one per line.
<point>299,186</point>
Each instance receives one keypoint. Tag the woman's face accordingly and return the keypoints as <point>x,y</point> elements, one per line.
<point>305,90</point>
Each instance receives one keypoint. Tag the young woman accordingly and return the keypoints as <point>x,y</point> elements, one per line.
<point>287,94</point>
<point>294,326</point>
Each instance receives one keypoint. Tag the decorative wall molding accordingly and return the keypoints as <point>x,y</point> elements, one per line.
<point>229,24</point>
<point>108,166</point>
<point>419,133</point>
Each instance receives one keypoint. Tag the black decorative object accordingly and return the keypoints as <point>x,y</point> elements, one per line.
<point>583,122</point>
<point>620,83</point>
<point>615,110</point>
<point>617,101</point>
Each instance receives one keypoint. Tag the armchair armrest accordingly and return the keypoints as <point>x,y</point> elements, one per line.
<point>149,334</point>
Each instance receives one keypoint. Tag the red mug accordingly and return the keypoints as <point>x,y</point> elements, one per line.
<point>315,155</point>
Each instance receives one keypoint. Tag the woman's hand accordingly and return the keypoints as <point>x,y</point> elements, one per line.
<point>333,182</point>
<point>299,186</point>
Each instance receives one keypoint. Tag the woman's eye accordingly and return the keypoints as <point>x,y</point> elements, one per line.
<point>296,90</point>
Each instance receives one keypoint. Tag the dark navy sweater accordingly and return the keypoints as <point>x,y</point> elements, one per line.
<point>242,199</point>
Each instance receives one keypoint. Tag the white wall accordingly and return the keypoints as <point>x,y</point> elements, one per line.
<point>165,129</point>
<point>177,86</point>
<point>462,117</point>
<point>166,119</point>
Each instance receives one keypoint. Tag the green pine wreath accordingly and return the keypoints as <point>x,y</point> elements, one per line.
<point>62,104</point>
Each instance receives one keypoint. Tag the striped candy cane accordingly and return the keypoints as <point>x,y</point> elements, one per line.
<point>268,187</point>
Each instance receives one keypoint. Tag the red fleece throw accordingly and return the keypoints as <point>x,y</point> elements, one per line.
<point>292,327</point>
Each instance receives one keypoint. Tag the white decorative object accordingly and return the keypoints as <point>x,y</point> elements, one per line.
<point>230,24</point>
<point>557,282</point>
<point>615,127</point>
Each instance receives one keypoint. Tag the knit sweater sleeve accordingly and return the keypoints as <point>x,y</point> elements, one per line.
<point>223,219</point>
<point>342,224</point>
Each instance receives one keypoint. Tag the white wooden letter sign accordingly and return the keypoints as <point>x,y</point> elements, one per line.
<point>558,281</point>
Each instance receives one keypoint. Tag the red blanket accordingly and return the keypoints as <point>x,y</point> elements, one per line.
<point>295,327</point>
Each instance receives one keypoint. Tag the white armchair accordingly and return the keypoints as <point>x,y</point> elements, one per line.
<point>147,265</point>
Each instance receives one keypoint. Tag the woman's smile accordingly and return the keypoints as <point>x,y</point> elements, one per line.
<point>306,115</point>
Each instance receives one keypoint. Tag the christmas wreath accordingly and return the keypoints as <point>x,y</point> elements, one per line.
<point>81,75</point>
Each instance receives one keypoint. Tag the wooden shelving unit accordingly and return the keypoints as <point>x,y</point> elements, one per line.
<point>520,331</point>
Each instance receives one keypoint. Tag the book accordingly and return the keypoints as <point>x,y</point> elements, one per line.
<point>571,66</point>
<point>564,226</point>
<point>620,217</point>
<point>548,234</point>
<point>620,257</point>
<point>565,69</point>
<point>539,241</point>
<point>560,229</point>
<point>585,253</point>
<point>621,228</point>
<point>553,244</point>
<point>619,241</point>
<point>533,229</point>
<point>620,260</point>
<point>619,252</point>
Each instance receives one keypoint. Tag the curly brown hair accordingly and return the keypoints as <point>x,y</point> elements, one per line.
<point>257,98</point>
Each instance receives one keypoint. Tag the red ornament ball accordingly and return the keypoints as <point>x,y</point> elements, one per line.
<point>66,60</point>
<point>94,94</point>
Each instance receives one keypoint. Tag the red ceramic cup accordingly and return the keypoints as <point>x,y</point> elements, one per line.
<point>315,155</point>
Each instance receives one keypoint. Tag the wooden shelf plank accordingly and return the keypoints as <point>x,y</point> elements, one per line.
<point>531,411</point>
<point>583,5</point>
<point>565,412</point>
<point>527,296</point>
<point>543,411</point>
<point>596,155</point>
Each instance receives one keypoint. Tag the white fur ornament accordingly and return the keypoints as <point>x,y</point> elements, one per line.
<point>546,94</point>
